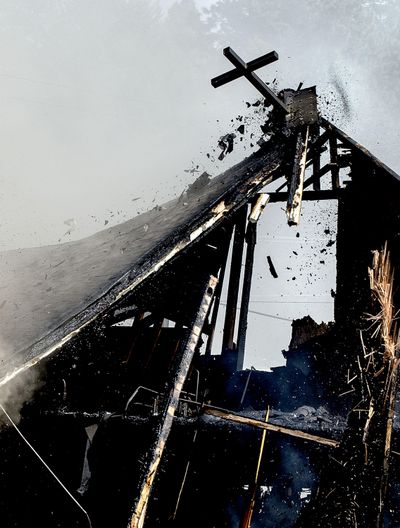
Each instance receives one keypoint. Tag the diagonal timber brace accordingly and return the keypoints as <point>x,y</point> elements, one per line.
<point>167,416</point>
<point>244,420</point>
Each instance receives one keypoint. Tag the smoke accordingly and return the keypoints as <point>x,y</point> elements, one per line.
<point>17,391</point>
<point>285,497</point>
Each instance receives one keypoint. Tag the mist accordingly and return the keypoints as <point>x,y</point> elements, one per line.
<point>104,105</point>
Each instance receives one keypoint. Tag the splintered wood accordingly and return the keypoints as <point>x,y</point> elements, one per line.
<point>364,454</point>
<point>258,207</point>
<point>293,208</point>
<point>381,284</point>
<point>385,328</point>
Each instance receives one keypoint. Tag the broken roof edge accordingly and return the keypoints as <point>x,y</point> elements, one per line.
<point>352,144</point>
<point>253,175</point>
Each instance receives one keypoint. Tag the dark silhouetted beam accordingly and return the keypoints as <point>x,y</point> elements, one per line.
<point>308,195</point>
<point>234,74</point>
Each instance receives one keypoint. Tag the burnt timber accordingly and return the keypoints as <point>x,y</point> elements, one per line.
<point>147,422</point>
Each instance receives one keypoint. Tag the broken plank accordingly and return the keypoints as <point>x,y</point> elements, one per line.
<point>293,208</point>
<point>271,266</point>
<point>244,420</point>
<point>258,207</point>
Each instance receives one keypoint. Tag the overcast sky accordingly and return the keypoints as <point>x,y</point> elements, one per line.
<point>104,105</point>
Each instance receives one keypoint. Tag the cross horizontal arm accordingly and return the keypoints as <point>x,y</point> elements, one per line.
<point>242,67</point>
<point>234,74</point>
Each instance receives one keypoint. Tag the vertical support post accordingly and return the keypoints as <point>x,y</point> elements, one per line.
<point>217,295</point>
<point>157,332</point>
<point>135,331</point>
<point>334,162</point>
<point>166,418</point>
<point>251,239</point>
<point>316,159</point>
<point>234,279</point>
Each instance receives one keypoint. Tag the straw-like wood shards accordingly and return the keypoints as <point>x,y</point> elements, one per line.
<point>353,488</point>
<point>385,327</point>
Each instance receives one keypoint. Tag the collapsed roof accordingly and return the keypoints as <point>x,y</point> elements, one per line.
<point>51,293</point>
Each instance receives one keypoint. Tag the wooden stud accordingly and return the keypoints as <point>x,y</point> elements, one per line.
<point>234,280</point>
<point>334,162</point>
<point>251,239</point>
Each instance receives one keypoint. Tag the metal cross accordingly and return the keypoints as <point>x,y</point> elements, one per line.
<point>243,69</point>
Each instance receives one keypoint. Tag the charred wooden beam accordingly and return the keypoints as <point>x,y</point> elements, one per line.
<point>334,162</point>
<point>251,239</point>
<point>246,71</point>
<point>244,420</point>
<point>121,314</point>
<point>293,208</point>
<point>253,65</point>
<point>317,175</point>
<point>234,280</point>
<point>347,141</point>
<point>136,325</point>
<point>315,153</point>
<point>217,295</point>
<point>272,269</point>
<point>308,195</point>
<point>157,327</point>
<point>258,208</point>
<point>319,140</point>
<point>166,418</point>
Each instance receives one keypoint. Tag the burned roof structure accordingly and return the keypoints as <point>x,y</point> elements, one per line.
<point>143,420</point>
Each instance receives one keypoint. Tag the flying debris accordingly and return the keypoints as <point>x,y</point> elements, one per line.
<point>226,143</point>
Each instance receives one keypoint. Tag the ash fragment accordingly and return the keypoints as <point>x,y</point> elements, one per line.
<point>272,267</point>
<point>225,143</point>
